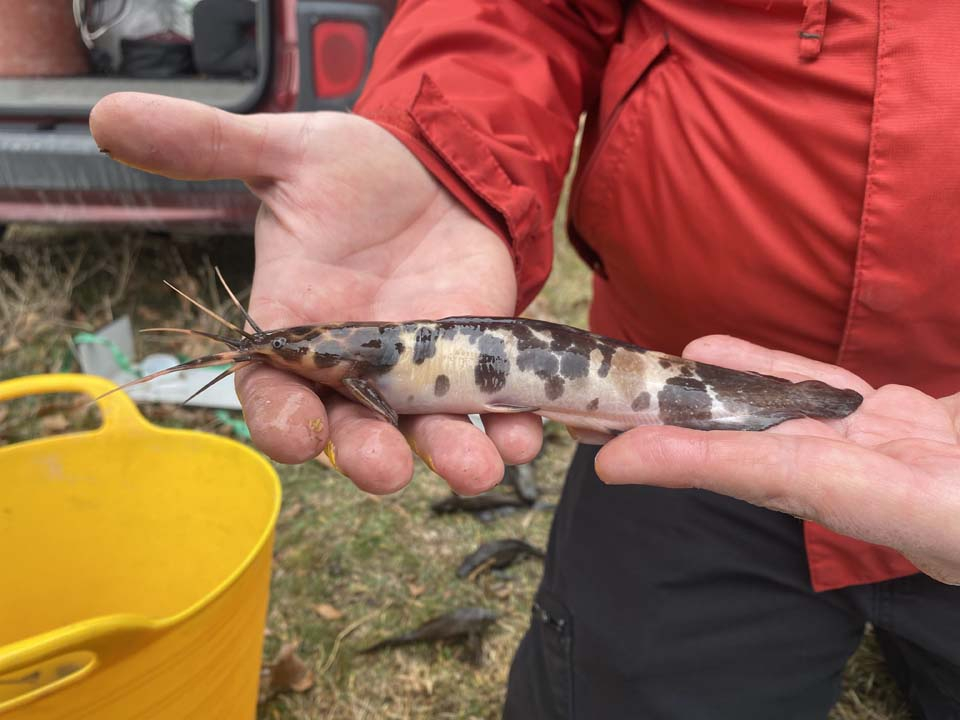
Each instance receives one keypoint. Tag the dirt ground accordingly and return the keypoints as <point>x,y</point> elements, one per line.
<point>349,568</point>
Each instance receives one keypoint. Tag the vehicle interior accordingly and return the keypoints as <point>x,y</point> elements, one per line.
<point>60,58</point>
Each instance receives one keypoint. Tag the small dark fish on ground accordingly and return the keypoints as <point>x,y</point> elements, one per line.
<point>463,624</point>
<point>523,479</point>
<point>497,554</point>
<point>489,516</point>
<point>476,503</point>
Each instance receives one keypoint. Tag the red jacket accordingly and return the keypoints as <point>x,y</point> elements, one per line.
<point>780,170</point>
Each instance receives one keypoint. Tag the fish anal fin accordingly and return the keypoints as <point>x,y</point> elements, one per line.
<point>508,408</point>
<point>367,394</point>
<point>591,436</point>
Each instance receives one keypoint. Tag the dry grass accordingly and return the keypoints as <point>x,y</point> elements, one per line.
<point>383,563</point>
<point>389,563</point>
<point>56,282</point>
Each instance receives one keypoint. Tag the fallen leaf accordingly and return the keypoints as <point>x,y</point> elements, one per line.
<point>56,422</point>
<point>327,612</point>
<point>286,672</point>
<point>416,590</point>
<point>11,345</point>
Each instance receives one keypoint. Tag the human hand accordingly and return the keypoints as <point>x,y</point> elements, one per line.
<point>352,227</point>
<point>888,474</point>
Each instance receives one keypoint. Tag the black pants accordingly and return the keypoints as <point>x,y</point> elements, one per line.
<point>665,604</point>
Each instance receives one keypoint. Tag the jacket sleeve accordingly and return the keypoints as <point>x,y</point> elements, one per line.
<point>488,94</point>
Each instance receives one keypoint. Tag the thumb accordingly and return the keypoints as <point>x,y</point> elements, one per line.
<point>185,140</point>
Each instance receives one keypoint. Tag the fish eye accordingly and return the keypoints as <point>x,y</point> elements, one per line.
<point>279,343</point>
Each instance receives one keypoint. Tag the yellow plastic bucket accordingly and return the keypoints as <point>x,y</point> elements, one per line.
<point>134,568</point>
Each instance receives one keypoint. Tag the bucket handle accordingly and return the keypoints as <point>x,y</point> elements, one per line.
<point>118,410</point>
<point>63,659</point>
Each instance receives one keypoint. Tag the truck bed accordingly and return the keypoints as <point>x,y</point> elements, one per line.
<point>76,95</point>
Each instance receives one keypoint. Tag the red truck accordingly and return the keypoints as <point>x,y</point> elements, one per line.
<point>303,55</point>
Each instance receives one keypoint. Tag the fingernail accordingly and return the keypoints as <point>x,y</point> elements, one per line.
<point>412,443</point>
<point>427,460</point>
<point>331,452</point>
<point>599,470</point>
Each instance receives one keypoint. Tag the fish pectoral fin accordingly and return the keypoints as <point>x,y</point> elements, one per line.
<point>366,394</point>
<point>508,408</point>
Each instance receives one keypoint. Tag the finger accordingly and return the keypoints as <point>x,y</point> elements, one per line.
<point>739,354</point>
<point>808,427</point>
<point>846,487</point>
<point>186,140</point>
<point>455,449</point>
<point>286,419</point>
<point>366,448</point>
<point>516,437</point>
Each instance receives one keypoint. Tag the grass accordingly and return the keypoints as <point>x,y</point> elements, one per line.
<point>382,563</point>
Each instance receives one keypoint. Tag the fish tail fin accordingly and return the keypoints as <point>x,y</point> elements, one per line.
<point>754,401</point>
<point>816,399</point>
<point>387,643</point>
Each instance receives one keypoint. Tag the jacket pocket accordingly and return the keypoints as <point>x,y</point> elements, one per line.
<point>627,66</point>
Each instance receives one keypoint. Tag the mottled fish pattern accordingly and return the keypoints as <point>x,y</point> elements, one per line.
<point>593,384</point>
